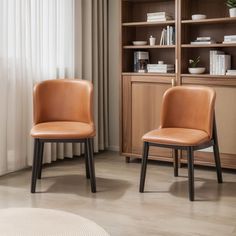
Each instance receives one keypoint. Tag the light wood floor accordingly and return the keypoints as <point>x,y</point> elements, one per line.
<point>164,209</point>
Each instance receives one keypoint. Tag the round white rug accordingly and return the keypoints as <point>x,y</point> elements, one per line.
<point>46,222</point>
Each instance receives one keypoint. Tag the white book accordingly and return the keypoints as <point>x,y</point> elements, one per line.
<point>202,42</point>
<point>230,36</point>
<point>168,35</point>
<point>161,13</point>
<point>158,19</point>
<point>230,40</point>
<point>223,63</point>
<point>231,71</point>
<point>226,63</point>
<point>171,35</point>
<point>160,71</point>
<point>233,41</point>
<point>203,38</point>
<point>162,37</point>
<point>220,65</point>
<point>214,61</point>
<point>157,66</point>
<point>165,36</point>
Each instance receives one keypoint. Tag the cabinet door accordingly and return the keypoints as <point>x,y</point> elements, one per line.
<point>226,126</point>
<point>146,107</point>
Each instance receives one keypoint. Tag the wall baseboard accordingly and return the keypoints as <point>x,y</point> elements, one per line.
<point>114,148</point>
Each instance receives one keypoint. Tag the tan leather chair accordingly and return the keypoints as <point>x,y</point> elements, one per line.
<point>187,123</point>
<point>63,112</point>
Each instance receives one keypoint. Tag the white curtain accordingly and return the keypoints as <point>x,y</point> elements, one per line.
<point>36,43</point>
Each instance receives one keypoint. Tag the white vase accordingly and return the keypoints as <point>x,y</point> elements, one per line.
<point>232,12</point>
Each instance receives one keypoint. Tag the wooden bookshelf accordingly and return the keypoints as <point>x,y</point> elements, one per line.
<point>223,20</point>
<point>213,45</point>
<point>145,23</point>
<point>150,74</point>
<point>148,47</point>
<point>141,93</point>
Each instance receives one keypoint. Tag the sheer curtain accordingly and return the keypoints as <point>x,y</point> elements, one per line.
<point>36,43</point>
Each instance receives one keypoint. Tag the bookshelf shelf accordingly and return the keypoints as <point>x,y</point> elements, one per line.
<point>215,45</point>
<point>210,21</point>
<point>226,77</point>
<point>149,74</point>
<point>148,47</point>
<point>145,23</point>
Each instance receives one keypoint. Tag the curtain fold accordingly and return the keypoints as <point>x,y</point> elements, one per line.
<point>92,59</point>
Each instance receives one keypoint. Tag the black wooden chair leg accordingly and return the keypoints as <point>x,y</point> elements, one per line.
<point>144,167</point>
<point>217,153</point>
<point>86,161</point>
<point>217,161</point>
<point>176,163</point>
<point>35,166</point>
<point>91,164</point>
<point>40,165</point>
<point>191,173</point>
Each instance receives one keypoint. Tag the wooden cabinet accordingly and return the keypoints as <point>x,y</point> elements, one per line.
<point>142,98</point>
<point>141,93</point>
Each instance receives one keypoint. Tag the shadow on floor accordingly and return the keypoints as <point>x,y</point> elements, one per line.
<point>205,190</point>
<point>109,189</point>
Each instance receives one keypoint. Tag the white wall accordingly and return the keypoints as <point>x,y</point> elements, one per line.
<point>114,70</point>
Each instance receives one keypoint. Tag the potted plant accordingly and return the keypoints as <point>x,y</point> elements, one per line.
<point>193,69</point>
<point>232,7</point>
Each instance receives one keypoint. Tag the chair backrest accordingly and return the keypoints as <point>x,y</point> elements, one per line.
<point>63,100</point>
<point>188,107</point>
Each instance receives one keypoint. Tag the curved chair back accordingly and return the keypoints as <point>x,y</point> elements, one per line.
<point>188,107</point>
<point>63,100</point>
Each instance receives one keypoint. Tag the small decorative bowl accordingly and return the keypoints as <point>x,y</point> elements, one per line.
<point>198,17</point>
<point>197,70</point>
<point>139,43</point>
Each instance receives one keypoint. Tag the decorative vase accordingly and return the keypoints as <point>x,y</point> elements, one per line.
<point>196,70</point>
<point>232,12</point>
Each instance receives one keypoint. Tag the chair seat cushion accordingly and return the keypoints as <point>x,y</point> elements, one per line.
<point>63,130</point>
<point>177,136</point>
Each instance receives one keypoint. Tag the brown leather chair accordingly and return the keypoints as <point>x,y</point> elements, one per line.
<point>187,123</point>
<point>63,112</point>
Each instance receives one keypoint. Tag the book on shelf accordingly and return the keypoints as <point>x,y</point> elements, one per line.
<point>203,40</point>
<point>231,72</point>
<point>219,62</point>
<point>229,39</point>
<point>158,16</point>
<point>168,36</point>
<point>160,68</point>
<point>158,19</point>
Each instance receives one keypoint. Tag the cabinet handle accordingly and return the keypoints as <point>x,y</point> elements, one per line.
<point>173,82</point>
<point>176,66</point>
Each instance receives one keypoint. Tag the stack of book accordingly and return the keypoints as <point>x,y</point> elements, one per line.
<point>231,72</point>
<point>230,39</point>
<point>203,40</point>
<point>219,62</point>
<point>160,68</point>
<point>158,16</point>
<point>168,36</point>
